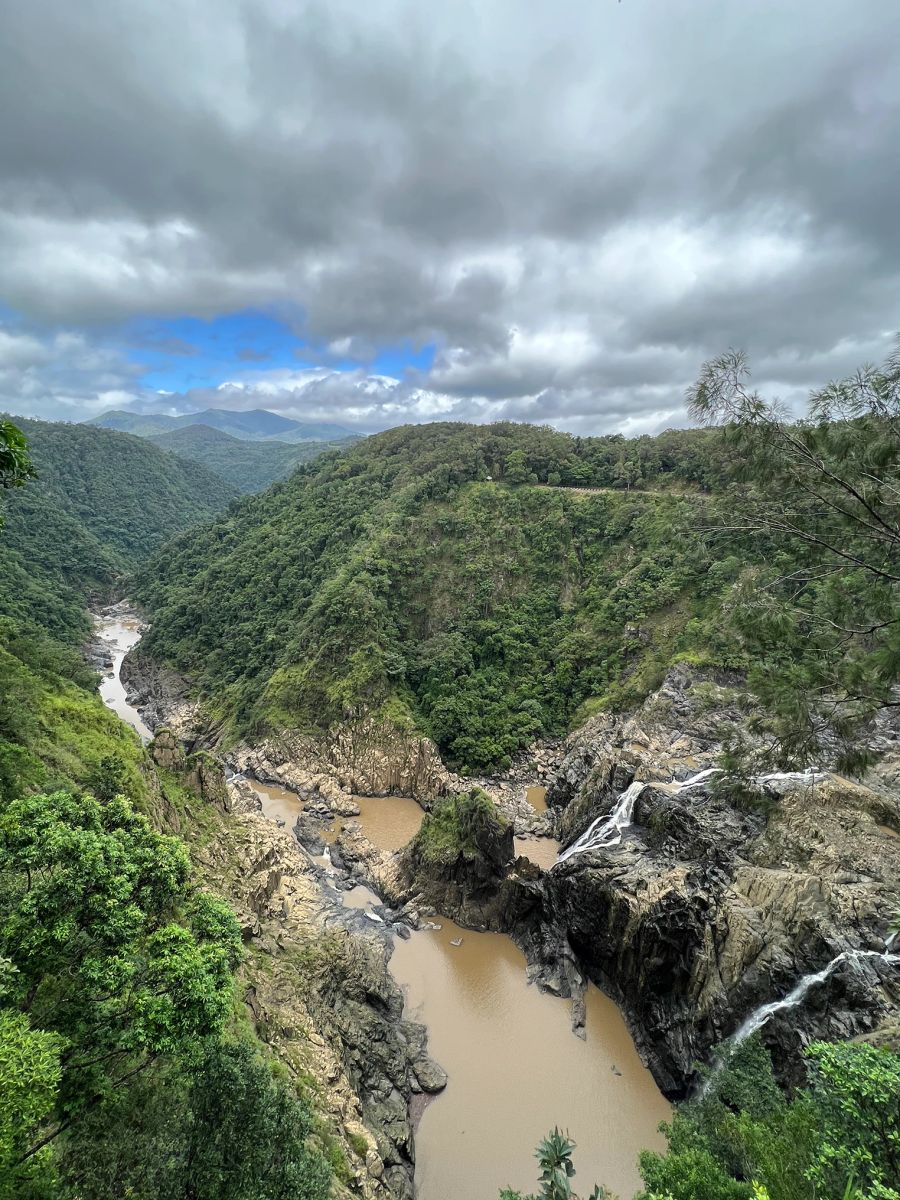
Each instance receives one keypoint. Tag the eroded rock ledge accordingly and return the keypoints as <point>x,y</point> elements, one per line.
<point>316,980</point>
<point>367,757</point>
<point>717,901</point>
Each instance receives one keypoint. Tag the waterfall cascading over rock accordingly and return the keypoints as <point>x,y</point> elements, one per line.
<point>795,997</point>
<point>607,831</point>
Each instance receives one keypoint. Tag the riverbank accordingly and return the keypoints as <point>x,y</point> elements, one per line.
<point>116,630</point>
<point>494,1034</point>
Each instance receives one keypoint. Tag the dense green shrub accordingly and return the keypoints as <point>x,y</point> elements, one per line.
<point>838,1137</point>
<point>462,827</point>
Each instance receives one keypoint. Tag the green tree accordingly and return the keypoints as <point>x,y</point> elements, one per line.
<point>16,466</point>
<point>857,1090</point>
<point>515,469</point>
<point>820,500</point>
<point>249,1134</point>
<point>222,1128</point>
<point>108,778</point>
<point>110,946</point>
<point>30,1072</point>
<point>837,1138</point>
<point>15,463</point>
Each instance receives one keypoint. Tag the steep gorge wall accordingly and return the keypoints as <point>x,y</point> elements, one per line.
<point>315,981</point>
<point>715,900</point>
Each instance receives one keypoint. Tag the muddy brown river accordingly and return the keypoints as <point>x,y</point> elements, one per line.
<point>120,634</point>
<point>515,1068</point>
<point>514,1065</point>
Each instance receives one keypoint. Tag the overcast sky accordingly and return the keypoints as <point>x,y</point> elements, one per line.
<point>384,211</point>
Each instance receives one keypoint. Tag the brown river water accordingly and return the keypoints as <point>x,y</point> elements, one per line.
<point>120,634</point>
<point>515,1068</point>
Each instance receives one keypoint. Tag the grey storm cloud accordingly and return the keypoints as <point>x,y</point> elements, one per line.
<point>576,204</point>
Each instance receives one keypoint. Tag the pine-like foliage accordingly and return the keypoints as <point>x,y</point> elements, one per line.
<point>820,500</point>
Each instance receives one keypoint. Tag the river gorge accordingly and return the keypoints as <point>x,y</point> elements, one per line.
<point>515,1067</point>
<point>693,912</point>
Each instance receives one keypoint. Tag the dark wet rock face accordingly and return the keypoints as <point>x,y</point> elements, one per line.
<point>308,832</point>
<point>714,901</point>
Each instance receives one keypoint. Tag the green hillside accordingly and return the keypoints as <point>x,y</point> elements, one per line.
<point>424,571</point>
<point>247,466</point>
<point>118,1006</point>
<point>102,502</point>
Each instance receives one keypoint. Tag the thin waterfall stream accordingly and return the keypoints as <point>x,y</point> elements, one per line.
<point>607,831</point>
<point>797,994</point>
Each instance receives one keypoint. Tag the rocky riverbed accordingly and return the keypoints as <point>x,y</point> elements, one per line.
<point>316,980</point>
<point>714,901</point>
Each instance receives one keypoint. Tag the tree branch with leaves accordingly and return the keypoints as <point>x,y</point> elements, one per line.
<point>819,496</point>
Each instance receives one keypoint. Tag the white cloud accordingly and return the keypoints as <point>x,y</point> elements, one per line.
<point>576,205</point>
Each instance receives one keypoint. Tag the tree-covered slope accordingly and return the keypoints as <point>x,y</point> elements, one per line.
<point>422,572</point>
<point>101,503</point>
<point>247,466</point>
<point>125,1065</point>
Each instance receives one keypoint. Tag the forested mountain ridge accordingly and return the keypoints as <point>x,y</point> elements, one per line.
<point>100,504</point>
<point>488,585</point>
<point>422,571</point>
<point>253,424</point>
<point>250,466</point>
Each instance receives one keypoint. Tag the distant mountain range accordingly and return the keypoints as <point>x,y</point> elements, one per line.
<point>257,424</point>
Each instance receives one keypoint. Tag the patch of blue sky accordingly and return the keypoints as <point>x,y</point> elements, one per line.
<point>186,352</point>
<point>179,353</point>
